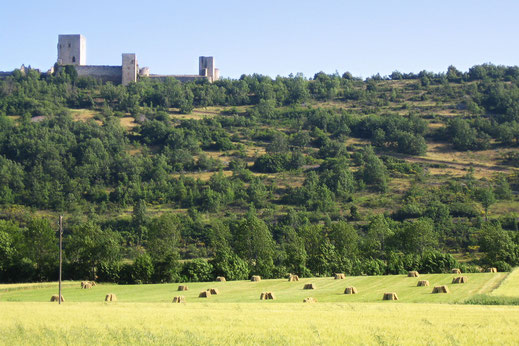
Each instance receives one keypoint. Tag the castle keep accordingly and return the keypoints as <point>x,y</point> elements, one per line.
<point>72,51</point>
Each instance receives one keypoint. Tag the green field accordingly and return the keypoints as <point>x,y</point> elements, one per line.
<point>509,287</point>
<point>370,289</point>
<point>144,314</point>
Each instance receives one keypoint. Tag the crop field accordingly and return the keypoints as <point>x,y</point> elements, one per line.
<point>144,314</point>
<point>256,323</point>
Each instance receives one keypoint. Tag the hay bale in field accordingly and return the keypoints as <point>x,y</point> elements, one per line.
<point>413,274</point>
<point>459,280</point>
<point>55,298</point>
<point>440,289</point>
<point>492,270</point>
<point>350,290</point>
<point>255,278</point>
<point>390,296</point>
<point>110,297</point>
<point>423,283</point>
<point>204,294</point>
<point>87,285</point>
<point>182,288</point>
<point>214,291</point>
<point>309,287</point>
<point>456,271</point>
<point>293,278</point>
<point>267,295</point>
<point>220,279</point>
<point>339,276</point>
<point>179,299</point>
<point>309,300</point>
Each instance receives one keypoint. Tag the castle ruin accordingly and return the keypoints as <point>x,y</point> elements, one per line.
<point>72,51</point>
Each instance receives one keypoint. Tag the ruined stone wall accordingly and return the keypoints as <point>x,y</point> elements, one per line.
<point>181,78</point>
<point>104,73</point>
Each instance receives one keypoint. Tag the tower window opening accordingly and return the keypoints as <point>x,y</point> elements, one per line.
<point>73,59</point>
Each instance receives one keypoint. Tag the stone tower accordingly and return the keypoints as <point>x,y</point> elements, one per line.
<point>130,68</point>
<point>71,50</point>
<point>206,68</point>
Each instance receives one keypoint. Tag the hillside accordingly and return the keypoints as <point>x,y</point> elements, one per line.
<point>259,175</point>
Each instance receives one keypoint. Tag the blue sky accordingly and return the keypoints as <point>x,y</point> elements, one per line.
<point>267,37</point>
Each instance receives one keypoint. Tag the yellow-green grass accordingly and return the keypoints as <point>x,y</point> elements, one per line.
<point>83,114</point>
<point>370,289</point>
<point>256,323</point>
<point>128,123</point>
<point>509,287</point>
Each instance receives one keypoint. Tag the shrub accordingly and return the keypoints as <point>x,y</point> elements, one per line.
<point>198,270</point>
<point>142,269</point>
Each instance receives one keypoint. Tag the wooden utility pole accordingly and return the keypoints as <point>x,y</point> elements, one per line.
<point>60,254</point>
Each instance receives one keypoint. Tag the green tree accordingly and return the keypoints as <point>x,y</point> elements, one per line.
<point>88,246</point>
<point>41,247</point>
<point>378,237</point>
<point>253,242</point>
<point>497,244</point>
<point>373,172</point>
<point>486,197</point>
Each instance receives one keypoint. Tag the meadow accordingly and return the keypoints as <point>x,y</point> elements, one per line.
<point>370,289</point>
<point>144,314</point>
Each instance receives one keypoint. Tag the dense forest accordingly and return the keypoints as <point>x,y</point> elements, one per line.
<point>168,181</point>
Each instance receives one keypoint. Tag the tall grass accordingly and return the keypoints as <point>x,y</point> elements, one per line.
<point>264,323</point>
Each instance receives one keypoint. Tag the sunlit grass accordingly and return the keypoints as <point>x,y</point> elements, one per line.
<point>256,323</point>
<point>370,288</point>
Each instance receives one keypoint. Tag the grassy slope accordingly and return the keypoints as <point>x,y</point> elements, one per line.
<point>371,289</point>
<point>509,287</point>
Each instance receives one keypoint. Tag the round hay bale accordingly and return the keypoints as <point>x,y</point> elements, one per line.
<point>293,278</point>
<point>182,288</point>
<point>309,287</point>
<point>492,270</point>
<point>390,296</point>
<point>214,291</point>
<point>350,290</point>
<point>459,280</point>
<point>55,298</point>
<point>220,279</point>
<point>339,276</point>
<point>110,297</point>
<point>255,278</point>
<point>423,283</point>
<point>440,289</point>
<point>309,300</point>
<point>179,299</point>
<point>413,274</point>
<point>204,294</point>
<point>456,271</point>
